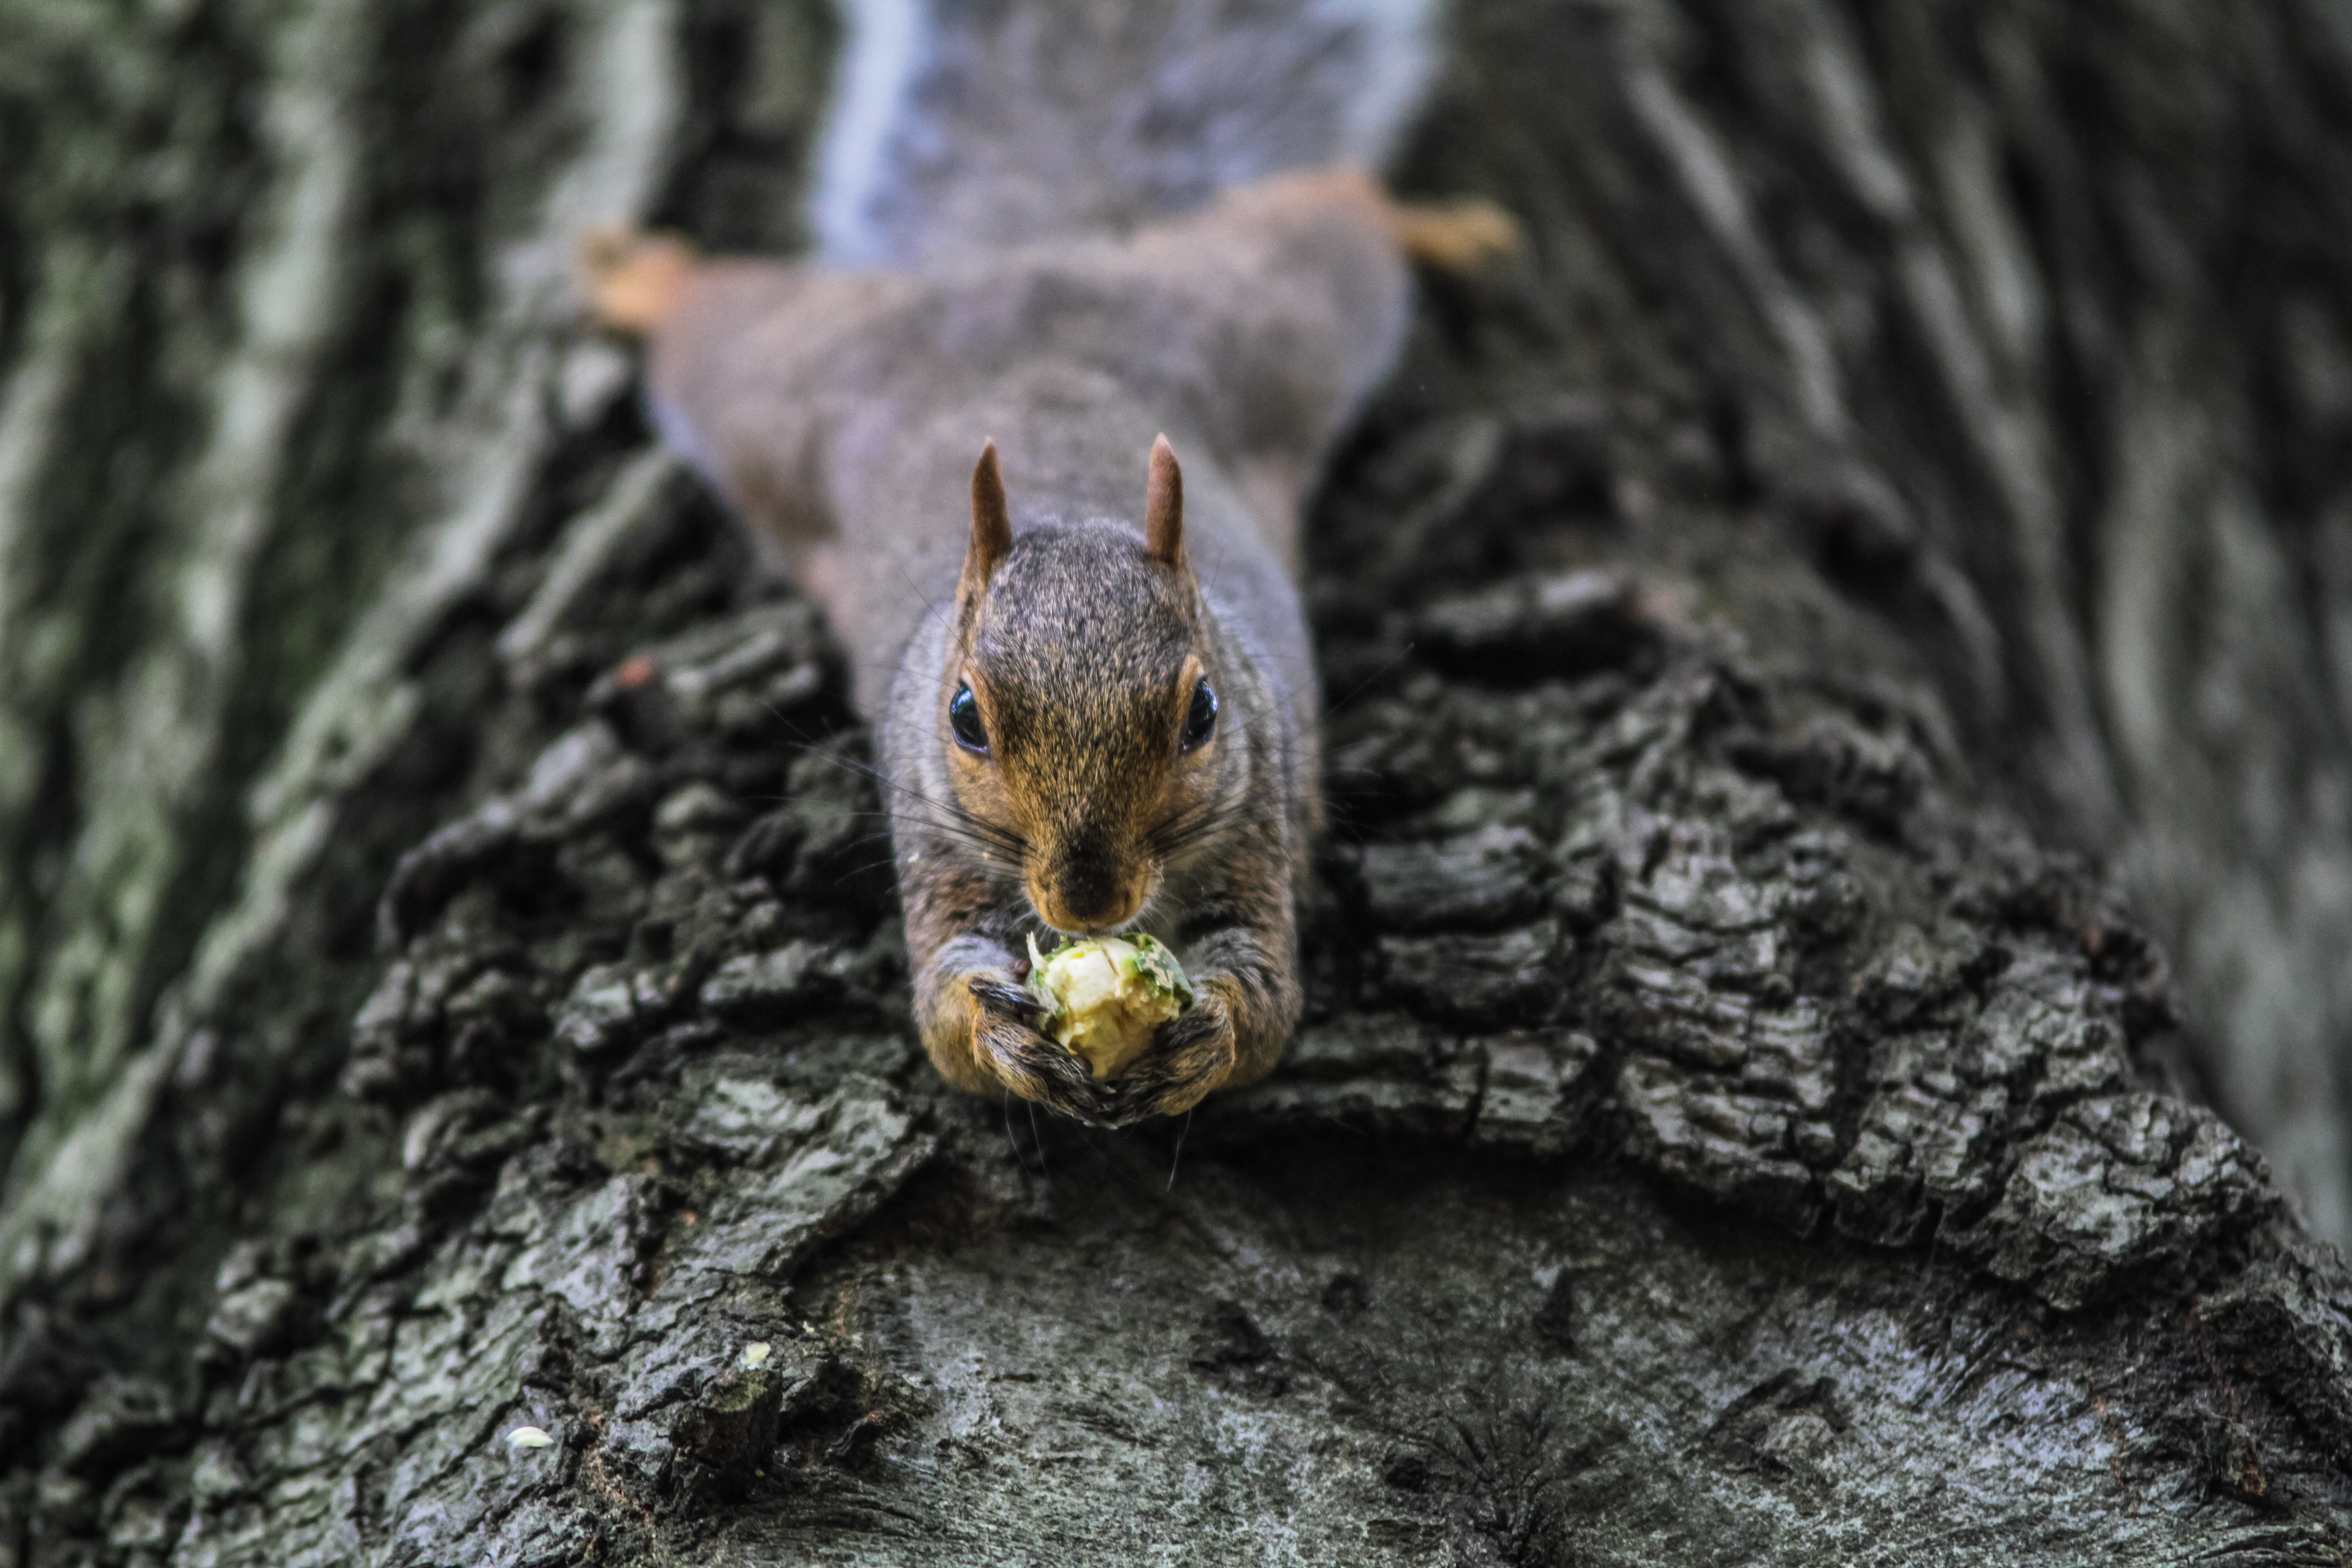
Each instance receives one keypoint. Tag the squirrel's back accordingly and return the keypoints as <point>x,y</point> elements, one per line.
<point>842,409</point>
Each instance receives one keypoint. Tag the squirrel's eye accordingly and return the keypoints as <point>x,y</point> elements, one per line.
<point>963,718</point>
<point>1200,719</point>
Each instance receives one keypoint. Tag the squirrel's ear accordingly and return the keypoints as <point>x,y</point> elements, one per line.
<point>991,524</point>
<point>1163,506</point>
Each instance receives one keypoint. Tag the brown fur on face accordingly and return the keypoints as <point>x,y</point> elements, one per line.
<point>1082,650</point>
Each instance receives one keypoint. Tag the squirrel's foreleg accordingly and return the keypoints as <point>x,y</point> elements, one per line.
<point>979,1027</point>
<point>1246,1001</point>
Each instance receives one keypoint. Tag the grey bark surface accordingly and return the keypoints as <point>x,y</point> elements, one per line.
<point>450,979</point>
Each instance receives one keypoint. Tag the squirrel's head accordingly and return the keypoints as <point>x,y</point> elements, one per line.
<point>1078,715</point>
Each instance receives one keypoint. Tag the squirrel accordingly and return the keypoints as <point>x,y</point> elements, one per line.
<point>1082,654</point>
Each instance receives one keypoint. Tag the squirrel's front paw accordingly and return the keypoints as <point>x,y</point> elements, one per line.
<point>1192,1055</point>
<point>1006,1042</point>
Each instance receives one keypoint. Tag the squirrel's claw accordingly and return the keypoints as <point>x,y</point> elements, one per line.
<point>1193,1056</point>
<point>1005,1041</point>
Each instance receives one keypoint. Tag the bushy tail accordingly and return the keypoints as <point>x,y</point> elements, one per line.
<point>963,125</point>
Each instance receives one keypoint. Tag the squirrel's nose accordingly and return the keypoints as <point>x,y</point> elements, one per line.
<point>1087,894</point>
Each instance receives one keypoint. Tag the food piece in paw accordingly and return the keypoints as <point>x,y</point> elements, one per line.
<point>1105,996</point>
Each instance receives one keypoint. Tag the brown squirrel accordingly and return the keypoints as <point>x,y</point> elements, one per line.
<point>1094,704</point>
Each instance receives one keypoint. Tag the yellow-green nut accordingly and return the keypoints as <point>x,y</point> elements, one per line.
<point>1103,997</point>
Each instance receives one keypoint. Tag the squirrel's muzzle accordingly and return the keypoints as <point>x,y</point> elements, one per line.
<point>1088,891</point>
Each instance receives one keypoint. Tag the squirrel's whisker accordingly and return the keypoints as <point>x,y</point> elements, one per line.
<point>951,819</point>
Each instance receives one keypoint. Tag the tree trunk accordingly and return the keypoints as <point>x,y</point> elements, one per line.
<point>451,989</point>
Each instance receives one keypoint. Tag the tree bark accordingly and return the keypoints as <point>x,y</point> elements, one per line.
<point>1806,641</point>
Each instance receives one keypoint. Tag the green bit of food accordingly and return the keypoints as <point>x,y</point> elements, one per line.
<point>1105,996</point>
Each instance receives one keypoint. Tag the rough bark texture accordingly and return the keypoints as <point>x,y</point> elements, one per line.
<point>449,974</point>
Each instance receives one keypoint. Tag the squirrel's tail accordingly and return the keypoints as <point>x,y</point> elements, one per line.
<point>963,125</point>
